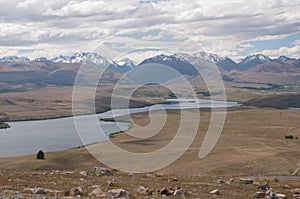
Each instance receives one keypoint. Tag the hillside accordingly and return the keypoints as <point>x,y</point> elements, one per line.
<point>287,72</point>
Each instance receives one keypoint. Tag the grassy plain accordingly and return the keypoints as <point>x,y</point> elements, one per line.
<point>252,144</point>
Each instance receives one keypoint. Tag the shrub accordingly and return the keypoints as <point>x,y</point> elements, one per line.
<point>4,125</point>
<point>289,137</point>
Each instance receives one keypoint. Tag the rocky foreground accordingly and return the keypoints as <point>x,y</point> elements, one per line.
<point>106,183</point>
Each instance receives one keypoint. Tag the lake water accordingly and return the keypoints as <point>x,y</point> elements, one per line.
<point>28,137</point>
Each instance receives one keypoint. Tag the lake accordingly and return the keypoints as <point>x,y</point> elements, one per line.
<point>28,137</point>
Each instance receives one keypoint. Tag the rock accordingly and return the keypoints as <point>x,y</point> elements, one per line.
<point>280,196</point>
<point>102,171</point>
<point>273,195</point>
<point>144,190</point>
<point>165,192</point>
<point>296,191</point>
<point>174,188</point>
<point>180,193</point>
<point>39,191</point>
<point>215,192</point>
<point>151,175</point>
<point>118,194</point>
<point>175,179</point>
<point>221,181</point>
<point>246,181</point>
<point>110,183</point>
<point>98,193</point>
<point>83,173</point>
<point>270,193</point>
<point>230,181</point>
<point>131,174</point>
<point>259,195</point>
<point>75,191</point>
<point>286,186</point>
<point>265,186</point>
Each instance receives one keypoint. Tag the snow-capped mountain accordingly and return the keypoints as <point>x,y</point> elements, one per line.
<point>41,59</point>
<point>176,61</point>
<point>126,63</point>
<point>209,57</point>
<point>62,59</point>
<point>252,60</point>
<point>88,58</point>
<point>82,58</point>
<point>283,59</point>
<point>14,59</point>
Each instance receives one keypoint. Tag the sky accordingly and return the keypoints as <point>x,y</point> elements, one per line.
<point>234,28</point>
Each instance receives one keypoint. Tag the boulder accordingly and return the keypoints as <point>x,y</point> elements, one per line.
<point>215,192</point>
<point>259,195</point>
<point>83,173</point>
<point>286,186</point>
<point>175,179</point>
<point>273,195</point>
<point>180,193</point>
<point>144,190</point>
<point>165,192</point>
<point>280,196</point>
<point>270,193</point>
<point>75,191</point>
<point>40,191</point>
<point>131,174</point>
<point>246,181</point>
<point>296,191</point>
<point>97,193</point>
<point>265,186</point>
<point>102,171</point>
<point>118,194</point>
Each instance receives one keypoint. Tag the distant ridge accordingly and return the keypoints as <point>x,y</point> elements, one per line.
<point>62,70</point>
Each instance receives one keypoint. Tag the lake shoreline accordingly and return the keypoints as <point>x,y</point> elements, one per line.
<point>26,137</point>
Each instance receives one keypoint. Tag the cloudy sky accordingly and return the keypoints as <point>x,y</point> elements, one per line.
<point>233,28</point>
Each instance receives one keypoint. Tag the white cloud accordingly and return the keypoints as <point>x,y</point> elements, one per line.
<point>291,52</point>
<point>87,8</point>
<point>297,42</point>
<point>217,26</point>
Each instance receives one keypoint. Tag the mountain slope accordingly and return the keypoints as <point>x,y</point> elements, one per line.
<point>274,72</point>
<point>252,60</point>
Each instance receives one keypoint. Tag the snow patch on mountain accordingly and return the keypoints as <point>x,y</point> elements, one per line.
<point>14,59</point>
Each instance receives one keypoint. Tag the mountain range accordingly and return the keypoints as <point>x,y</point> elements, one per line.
<point>21,71</point>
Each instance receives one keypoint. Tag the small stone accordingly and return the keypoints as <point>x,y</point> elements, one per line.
<point>280,196</point>
<point>165,191</point>
<point>144,190</point>
<point>75,191</point>
<point>220,181</point>
<point>270,193</point>
<point>110,183</point>
<point>259,195</point>
<point>102,171</point>
<point>131,174</point>
<point>39,191</point>
<point>286,186</point>
<point>246,181</point>
<point>118,193</point>
<point>296,191</point>
<point>180,193</point>
<point>175,179</point>
<point>98,193</point>
<point>83,173</point>
<point>264,187</point>
<point>215,192</point>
